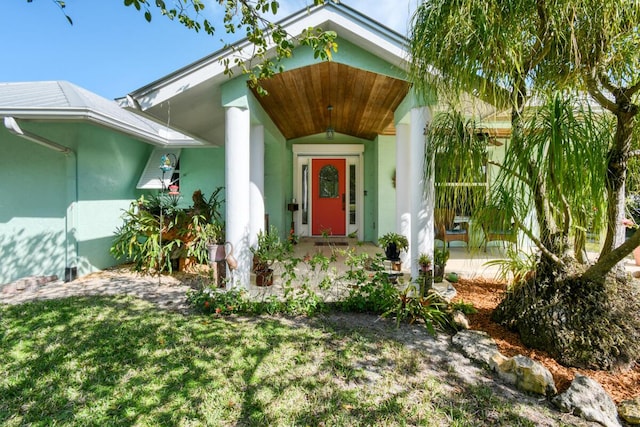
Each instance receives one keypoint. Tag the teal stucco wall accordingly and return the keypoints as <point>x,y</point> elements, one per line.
<point>32,209</point>
<point>201,169</point>
<point>58,210</point>
<point>348,54</point>
<point>385,189</point>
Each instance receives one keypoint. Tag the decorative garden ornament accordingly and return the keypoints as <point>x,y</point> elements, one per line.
<point>232,262</point>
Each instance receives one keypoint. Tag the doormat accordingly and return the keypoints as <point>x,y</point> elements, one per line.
<point>331,243</point>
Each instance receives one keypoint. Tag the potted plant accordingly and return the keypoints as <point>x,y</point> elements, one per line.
<point>440,258</point>
<point>393,244</point>
<point>213,233</point>
<point>424,262</point>
<point>268,250</point>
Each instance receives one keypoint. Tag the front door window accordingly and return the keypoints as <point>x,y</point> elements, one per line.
<point>329,181</point>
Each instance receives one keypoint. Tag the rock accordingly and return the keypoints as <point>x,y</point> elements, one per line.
<point>525,373</point>
<point>629,410</point>
<point>446,290</point>
<point>533,377</point>
<point>476,345</point>
<point>460,320</point>
<point>9,288</point>
<point>587,399</point>
<point>503,366</point>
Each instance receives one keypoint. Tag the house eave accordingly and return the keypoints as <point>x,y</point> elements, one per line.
<point>100,119</point>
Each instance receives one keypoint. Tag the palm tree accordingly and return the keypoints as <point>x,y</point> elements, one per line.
<point>504,52</point>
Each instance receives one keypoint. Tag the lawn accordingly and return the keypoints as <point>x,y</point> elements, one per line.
<point>122,361</point>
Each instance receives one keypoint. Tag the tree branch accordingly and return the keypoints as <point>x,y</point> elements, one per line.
<point>592,86</point>
<point>541,203</point>
<point>541,47</point>
<point>605,263</point>
<point>633,89</point>
<point>606,82</point>
<point>540,245</point>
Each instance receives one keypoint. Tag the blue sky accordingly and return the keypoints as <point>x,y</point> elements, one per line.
<point>111,50</point>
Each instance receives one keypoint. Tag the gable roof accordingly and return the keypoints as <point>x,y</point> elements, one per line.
<point>61,100</point>
<point>194,90</point>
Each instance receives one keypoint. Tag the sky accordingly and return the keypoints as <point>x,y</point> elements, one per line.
<point>111,50</point>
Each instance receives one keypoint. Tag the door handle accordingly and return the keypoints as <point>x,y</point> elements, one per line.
<point>343,202</point>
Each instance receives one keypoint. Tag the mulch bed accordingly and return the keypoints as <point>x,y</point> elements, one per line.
<point>486,294</point>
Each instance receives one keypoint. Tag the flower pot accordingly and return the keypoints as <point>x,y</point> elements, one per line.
<point>424,268</point>
<point>396,265</point>
<point>636,255</point>
<point>216,253</point>
<point>391,251</point>
<point>264,277</point>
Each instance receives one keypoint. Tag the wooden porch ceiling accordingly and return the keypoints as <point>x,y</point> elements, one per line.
<point>363,102</point>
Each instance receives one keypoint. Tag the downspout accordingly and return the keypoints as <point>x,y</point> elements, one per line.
<point>71,243</point>
<point>12,125</point>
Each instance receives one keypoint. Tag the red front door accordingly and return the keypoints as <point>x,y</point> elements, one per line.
<point>328,197</point>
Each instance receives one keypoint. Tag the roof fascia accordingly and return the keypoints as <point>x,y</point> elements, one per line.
<point>90,115</point>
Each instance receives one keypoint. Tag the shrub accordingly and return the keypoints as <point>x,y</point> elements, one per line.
<point>151,244</point>
<point>410,307</point>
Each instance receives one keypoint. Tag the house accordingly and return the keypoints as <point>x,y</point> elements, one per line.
<point>343,140</point>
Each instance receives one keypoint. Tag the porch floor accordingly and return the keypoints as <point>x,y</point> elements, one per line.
<point>467,263</point>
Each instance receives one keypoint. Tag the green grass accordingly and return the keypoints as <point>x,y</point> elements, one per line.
<point>121,361</point>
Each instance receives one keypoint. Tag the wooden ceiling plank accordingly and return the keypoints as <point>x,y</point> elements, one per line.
<point>363,101</point>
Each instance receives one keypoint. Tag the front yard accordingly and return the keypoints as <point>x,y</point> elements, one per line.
<point>100,361</point>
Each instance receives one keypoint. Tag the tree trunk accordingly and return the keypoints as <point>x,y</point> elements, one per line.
<point>617,175</point>
<point>579,322</point>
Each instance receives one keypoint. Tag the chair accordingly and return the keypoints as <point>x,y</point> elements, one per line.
<point>497,228</point>
<point>446,229</point>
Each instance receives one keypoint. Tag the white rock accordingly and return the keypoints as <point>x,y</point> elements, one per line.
<point>586,398</point>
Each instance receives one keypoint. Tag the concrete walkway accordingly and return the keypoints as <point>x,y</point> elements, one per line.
<point>169,291</point>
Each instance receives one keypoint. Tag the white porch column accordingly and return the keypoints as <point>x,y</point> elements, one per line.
<point>238,190</point>
<point>257,183</point>
<point>403,202</point>
<point>421,208</point>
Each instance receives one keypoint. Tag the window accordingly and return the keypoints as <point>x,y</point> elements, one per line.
<point>328,182</point>
<point>352,194</point>
<point>305,194</point>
